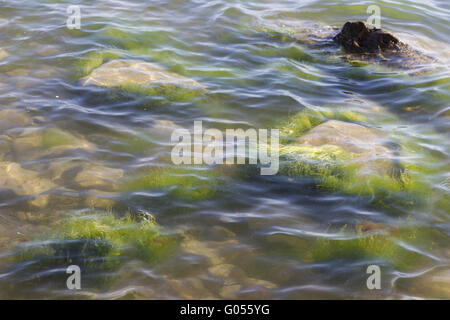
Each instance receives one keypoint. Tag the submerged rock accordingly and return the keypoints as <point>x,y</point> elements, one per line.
<point>3,54</point>
<point>355,246</point>
<point>139,76</point>
<point>97,176</point>
<point>35,143</point>
<point>184,183</point>
<point>75,173</point>
<point>434,284</point>
<point>13,118</point>
<point>364,144</point>
<point>98,241</point>
<point>351,158</point>
<point>25,182</point>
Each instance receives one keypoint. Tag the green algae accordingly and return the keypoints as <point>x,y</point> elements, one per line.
<point>280,32</point>
<point>182,183</point>
<point>170,92</point>
<point>385,245</point>
<point>291,51</point>
<point>54,137</point>
<point>307,119</point>
<point>334,169</point>
<point>297,72</point>
<point>98,241</point>
<point>93,59</point>
<point>130,143</point>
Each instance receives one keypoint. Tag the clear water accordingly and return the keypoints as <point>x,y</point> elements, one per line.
<point>255,238</point>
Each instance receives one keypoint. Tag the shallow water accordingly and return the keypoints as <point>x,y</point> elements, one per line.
<point>256,237</point>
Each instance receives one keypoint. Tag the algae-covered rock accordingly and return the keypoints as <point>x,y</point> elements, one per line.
<point>98,241</point>
<point>386,245</point>
<point>137,76</point>
<point>25,182</point>
<point>351,158</point>
<point>188,184</point>
<point>307,119</point>
<point>340,142</point>
<point>364,144</point>
<point>91,60</point>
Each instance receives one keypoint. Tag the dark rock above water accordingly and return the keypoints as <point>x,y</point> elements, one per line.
<point>378,45</point>
<point>357,37</point>
<point>360,43</point>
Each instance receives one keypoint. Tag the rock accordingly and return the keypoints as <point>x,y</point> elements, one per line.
<point>139,76</point>
<point>25,182</point>
<point>222,270</point>
<point>84,174</point>
<point>13,118</point>
<point>362,44</point>
<point>96,176</point>
<point>379,46</point>
<point>98,199</point>
<point>3,54</point>
<point>35,143</point>
<point>357,37</point>
<point>5,148</point>
<point>230,291</point>
<point>434,284</point>
<point>366,145</point>
<point>350,158</point>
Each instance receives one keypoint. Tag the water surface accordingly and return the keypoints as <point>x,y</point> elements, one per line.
<point>255,238</point>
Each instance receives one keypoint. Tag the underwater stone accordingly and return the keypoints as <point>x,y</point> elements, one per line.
<point>97,176</point>
<point>99,241</point>
<point>184,183</point>
<point>25,182</point>
<point>435,284</point>
<point>35,143</point>
<point>13,118</point>
<point>3,54</point>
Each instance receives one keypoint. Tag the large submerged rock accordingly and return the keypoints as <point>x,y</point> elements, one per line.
<point>25,182</point>
<point>142,77</point>
<point>35,143</point>
<point>3,54</point>
<point>13,118</point>
<point>349,157</point>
